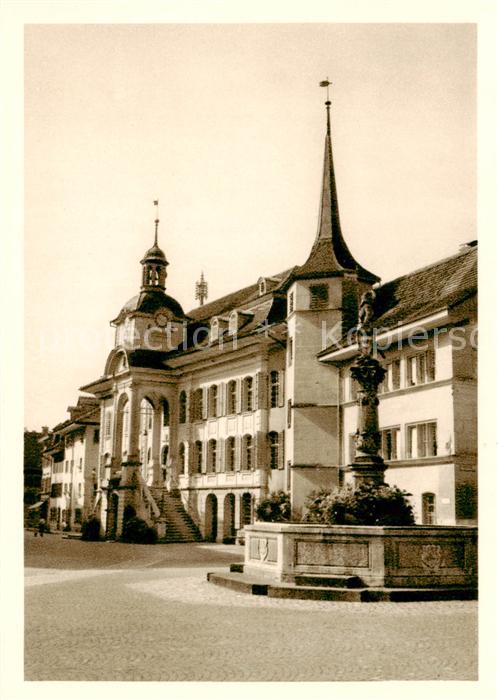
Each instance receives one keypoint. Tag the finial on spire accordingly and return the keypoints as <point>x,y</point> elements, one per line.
<point>201,290</point>
<point>326,83</point>
<point>156,222</point>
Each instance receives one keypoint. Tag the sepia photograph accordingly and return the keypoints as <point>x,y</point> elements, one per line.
<point>250,351</point>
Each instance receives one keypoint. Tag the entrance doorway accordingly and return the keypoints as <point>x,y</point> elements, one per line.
<point>229,519</point>
<point>211,518</point>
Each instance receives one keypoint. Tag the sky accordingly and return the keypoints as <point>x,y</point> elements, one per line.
<point>225,125</point>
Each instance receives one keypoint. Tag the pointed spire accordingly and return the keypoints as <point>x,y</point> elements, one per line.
<point>201,290</point>
<point>156,222</point>
<point>330,254</point>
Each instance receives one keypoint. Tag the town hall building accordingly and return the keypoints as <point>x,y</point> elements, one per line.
<point>203,414</point>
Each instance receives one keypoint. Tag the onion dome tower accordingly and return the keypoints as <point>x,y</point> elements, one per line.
<point>154,266</point>
<point>142,319</point>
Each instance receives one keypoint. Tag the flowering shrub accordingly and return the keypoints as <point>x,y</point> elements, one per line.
<point>274,509</point>
<point>369,504</point>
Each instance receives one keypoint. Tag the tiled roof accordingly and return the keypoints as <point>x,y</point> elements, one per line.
<point>423,292</point>
<point>240,299</point>
<point>427,290</point>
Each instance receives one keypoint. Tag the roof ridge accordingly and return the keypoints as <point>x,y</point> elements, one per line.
<point>427,267</point>
<point>281,277</point>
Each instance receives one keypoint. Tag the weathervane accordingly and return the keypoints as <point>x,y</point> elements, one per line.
<point>201,290</point>
<point>326,83</point>
<point>156,222</point>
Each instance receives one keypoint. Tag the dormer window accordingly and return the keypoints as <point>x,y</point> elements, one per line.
<point>215,330</point>
<point>233,323</point>
<point>262,286</point>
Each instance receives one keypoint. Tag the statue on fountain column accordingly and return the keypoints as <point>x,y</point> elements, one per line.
<point>368,465</point>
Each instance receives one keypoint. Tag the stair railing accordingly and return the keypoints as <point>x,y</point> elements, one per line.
<point>148,496</point>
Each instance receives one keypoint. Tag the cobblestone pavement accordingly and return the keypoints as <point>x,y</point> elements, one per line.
<point>148,614</point>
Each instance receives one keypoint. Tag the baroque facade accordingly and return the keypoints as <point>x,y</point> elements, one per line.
<point>204,413</point>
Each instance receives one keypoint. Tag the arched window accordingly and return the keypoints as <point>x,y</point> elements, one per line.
<point>215,330</point>
<point>183,407</point>
<point>197,407</point>
<point>211,462</point>
<point>230,454</point>
<point>164,455</point>
<point>232,397</point>
<point>274,388</point>
<point>247,394</point>
<point>181,457</point>
<point>146,416</point>
<point>165,413</point>
<point>145,437</point>
<point>247,447</point>
<point>273,443</point>
<point>198,456</point>
<point>233,323</point>
<point>213,400</point>
<point>428,508</point>
<point>245,509</point>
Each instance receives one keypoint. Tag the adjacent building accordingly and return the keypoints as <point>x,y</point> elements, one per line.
<point>70,466</point>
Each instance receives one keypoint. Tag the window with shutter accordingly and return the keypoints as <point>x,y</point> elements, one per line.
<point>230,454</point>
<point>281,389</point>
<point>248,394</point>
<point>247,452</point>
<point>431,365</point>
<point>204,402</point>
<point>220,405</point>
<point>274,388</point>
<point>213,401</point>
<point>319,296</point>
<point>389,443</point>
<point>198,461</point>
<point>211,456</point>
<point>238,396</point>
<point>238,453</point>
<point>281,450</point>
<point>181,458</point>
<point>220,466</point>
<point>273,442</point>
<point>261,389</point>
<point>231,397</point>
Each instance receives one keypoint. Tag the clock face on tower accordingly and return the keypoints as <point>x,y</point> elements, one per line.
<point>161,318</point>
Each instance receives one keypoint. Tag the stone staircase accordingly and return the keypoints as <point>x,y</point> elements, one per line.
<point>179,525</point>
